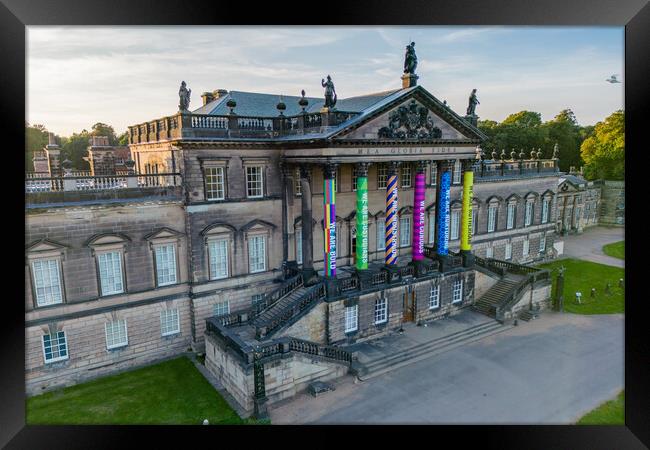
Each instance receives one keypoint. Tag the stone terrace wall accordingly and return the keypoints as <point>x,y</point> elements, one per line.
<point>86,341</point>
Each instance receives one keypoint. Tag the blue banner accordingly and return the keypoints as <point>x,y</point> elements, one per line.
<point>443,214</point>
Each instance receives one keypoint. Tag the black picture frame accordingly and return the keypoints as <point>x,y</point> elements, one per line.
<point>15,15</point>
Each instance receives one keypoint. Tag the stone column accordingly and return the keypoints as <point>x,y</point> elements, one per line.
<point>362,216</point>
<point>391,214</point>
<point>286,191</point>
<point>466,215</point>
<point>306,217</point>
<point>418,212</point>
<point>442,212</point>
<point>329,220</point>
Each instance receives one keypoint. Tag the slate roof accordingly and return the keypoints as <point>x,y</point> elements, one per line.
<point>259,104</point>
<point>264,105</point>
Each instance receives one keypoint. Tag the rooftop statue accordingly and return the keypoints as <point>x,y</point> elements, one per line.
<point>330,93</point>
<point>473,101</point>
<point>410,60</point>
<point>184,96</point>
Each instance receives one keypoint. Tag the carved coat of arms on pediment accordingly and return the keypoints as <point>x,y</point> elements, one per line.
<point>409,122</point>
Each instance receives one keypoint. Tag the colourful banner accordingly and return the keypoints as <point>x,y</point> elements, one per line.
<point>466,223</point>
<point>418,218</point>
<point>443,213</point>
<point>391,220</point>
<point>362,223</point>
<point>329,202</point>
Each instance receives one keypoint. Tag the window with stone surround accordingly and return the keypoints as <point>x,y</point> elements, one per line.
<point>510,218</point>
<point>254,181</point>
<point>432,228</point>
<point>492,217</point>
<point>489,252</point>
<point>169,322</point>
<point>116,334</point>
<point>381,310</point>
<point>165,264</point>
<point>526,248</point>
<point>354,179</point>
<point>434,173</point>
<point>508,250</point>
<point>256,298</point>
<point>434,296</point>
<point>542,243</point>
<point>222,308</point>
<point>55,347</point>
<point>545,209</point>
<point>454,224</point>
<point>46,275</point>
<point>219,260</point>
<point>404,231</point>
<point>457,292</point>
<point>44,262</point>
<point>528,220</point>
<point>381,234</point>
<point>299,245</point>
<point>351,318</point>
<point>110,272</point>
<point>215,186</point>
<point>457,172</point>
<point>257,254</point>
<point>382,176</point>
<point>406,176</point>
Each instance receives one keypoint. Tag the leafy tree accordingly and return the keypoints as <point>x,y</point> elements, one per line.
<point>604,151</point>
<point>123,139</point>
<point>102,129</point>
<point>36,138</point>
<point>565,131</point>
<point>75,148</point>
<point>519,131</point>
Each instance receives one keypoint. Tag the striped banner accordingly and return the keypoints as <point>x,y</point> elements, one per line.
<point>391,220</point>
<point>418,218</point>
<point>329,203</point>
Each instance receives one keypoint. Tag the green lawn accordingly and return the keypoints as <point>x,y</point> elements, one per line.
<point>615,249</point>
<point>581,276</point>
<point>609,413</point>
<point>171,392</point>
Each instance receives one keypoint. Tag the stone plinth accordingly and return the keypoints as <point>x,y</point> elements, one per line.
<point>409,80</point>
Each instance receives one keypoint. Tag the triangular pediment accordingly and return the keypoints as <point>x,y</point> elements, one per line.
<point>44,245</point>
<point>415,116</point>
<point>162,233</point>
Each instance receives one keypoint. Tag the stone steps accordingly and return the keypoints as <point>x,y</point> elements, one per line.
<point>379,366</point>
<point>279,307</point>
<point>494,296</point>
<point>528,315</point>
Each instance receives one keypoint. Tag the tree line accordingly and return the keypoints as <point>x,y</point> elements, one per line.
<point>73,148</point>
<point>599,148</point>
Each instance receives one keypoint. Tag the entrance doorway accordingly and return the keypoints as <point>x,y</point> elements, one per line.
<point>409,304</point>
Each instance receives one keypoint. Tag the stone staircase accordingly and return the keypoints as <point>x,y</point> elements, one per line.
<point>287,310</point>
<point>276,310</point>
<point>527,315</point>
<point>380,365</point>
<point>496,294</point>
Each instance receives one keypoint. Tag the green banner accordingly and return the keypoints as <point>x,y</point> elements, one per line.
<point>362,223</point>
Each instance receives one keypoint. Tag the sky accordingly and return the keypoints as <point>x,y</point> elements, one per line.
<point>77,76</point>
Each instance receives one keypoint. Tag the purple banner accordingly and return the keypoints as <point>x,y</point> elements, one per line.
<point>418,218</point>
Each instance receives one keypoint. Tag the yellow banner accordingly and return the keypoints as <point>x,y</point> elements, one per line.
<point>466,220</point>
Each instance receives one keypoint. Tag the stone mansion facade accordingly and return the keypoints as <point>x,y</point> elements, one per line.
<point>282,218</point>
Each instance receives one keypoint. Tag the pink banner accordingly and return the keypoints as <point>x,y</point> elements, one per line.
<point>418,218</point>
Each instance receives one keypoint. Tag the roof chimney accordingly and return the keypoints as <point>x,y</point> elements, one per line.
<point>207,97</point>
